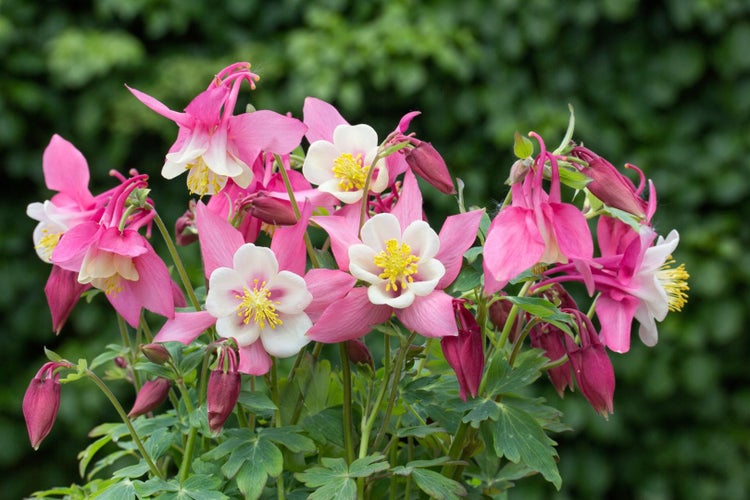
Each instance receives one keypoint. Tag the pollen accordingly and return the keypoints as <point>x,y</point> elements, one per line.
<point>111,286</point>
<point>351,171</point>
<point>48,242</point>
<point>398,264</point>
<point>256,305</point>
<point>674,282</point>
<point>202,180</point>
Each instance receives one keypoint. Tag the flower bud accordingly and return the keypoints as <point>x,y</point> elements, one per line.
<point>155,352</point>
<point>498,314</point>
<point>185,230</point>
<point>358,352</point>
<point>465,352</point>
<point>41,402</point>
<point>553,342</point>
<point>594,373</point>
<point>609,185</point>
<point>271,210</point>
<point>152,394</point>
<point>223,389</point>
<point>427,163</point>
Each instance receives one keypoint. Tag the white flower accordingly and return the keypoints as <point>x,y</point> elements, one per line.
<point>399,266</point>
<point>255,300</point>
<point>340,168</point>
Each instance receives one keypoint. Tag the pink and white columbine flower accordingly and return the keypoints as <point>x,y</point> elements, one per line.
<point>405,264</point>
<point>341,167</point>
<point>212,144</point>
<point>254,300</point>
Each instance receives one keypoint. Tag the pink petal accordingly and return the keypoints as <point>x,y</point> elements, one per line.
<point>206,106</point>
<point>154,284</point>
<point>66,171</point>
<point>616,318</point>
<point>343,228</point>
<point>288,243</point>
<point>254,360</point>
<point>266,130</point>
<point>456,237</point>
<point>63,291</point>
<point>128,242</point>
<point>403,124</point>
<point>321,119</point>
<point>409,205</point>
<point>219,240</point>
<point>74,244</point>
<point>430,316</point>
<point>185,327</point>
<point>181,119</point>
<point>326,287</point>
<point>513,244</point>
<point>349,318</point>
<point>571,231</point>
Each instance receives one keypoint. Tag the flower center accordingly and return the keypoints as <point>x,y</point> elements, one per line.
<point>48,242</point>
<point>111,285</point>
<point>674,282</point>
<point>398,264</point>
<point>256,305</point>
<point>350,171</point>
<point>202,180</point>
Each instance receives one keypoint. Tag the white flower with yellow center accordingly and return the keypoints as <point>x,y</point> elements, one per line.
<point>254,300</point>
<point>399,266</point>
<point>340,167</point>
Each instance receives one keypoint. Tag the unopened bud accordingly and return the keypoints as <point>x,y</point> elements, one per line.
<point>427,163</point>
<point>152,394</point>
<point>185,230</point>
<point>499,312</point>
<point>271,210</point>
<point>465,352</point>
<point>358,352</point>
<point>41,402</point>
<point>155,352</point>
<point>553,342</point>
<point>121,362</point>
<point>593,369</point>
<point>223,390</point>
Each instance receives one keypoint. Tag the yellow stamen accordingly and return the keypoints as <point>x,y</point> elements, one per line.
<point>111,286</point>
<point>674,282</point>
<point>351,171</point>
<point>398,264</point>
<point>202,180</point>
<point>48,242</point>
<point>256,305</point>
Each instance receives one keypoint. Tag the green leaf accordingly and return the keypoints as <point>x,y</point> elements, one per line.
<point>436,485</point>
<point>325,427</point>
<point>52,355</point>
<point>203,487</point>
<point>85,456</point>
<point>123,490</point>
<point>473,254</point>
<point>147,489</point>
<point>111,352</point>
<point>522,146</point>
<point>334,480</point>
<point>485,409</point>
<point>289,437</point>
<point>420,431</point>
<point>468,279</point>
<point>520,438</point>
<point>364,467</point>
<point>131,471</point>
<point>261,453</point>
<point>251,480</point>
<point>502,379</point>
<point>544,310</point>
<point>257,402</point>
<point>573,178</point>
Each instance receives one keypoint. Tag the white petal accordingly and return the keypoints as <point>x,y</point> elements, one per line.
<point>253,263</point>
<point>355,139</point>
<point>223,286</point>
<point>379,229</point>
<point>422,239</point>
<point>318,165</point>
<point>379,180</point>
<point>378,295</point>
<point>647,330</point>
<point>427,278</point>
<point>290,291</point>
<point>232,327</point>
<point>288,338</point>
<point>656,255</point>
<point>362,263</point>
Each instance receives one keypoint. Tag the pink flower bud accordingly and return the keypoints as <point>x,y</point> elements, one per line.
<point>609,185</point>
<point>498,314</point>
<point>185,230</point>
<point>465,352</point>
<point>594,373</point>
<point>358,352</point>
<point>271,210</point>
<point>553,342</point>
<point>41,401</point>
<point>155,352</point>
<point>152,394</point>
<point>223,390</point>
<point>427,163</point>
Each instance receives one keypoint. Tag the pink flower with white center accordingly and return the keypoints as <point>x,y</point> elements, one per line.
<point>254,300</point>
<point>405,263</point>
<point>212,144</point>
<point>341,167</point>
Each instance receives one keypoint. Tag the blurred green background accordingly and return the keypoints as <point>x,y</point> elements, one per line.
<point>661,84</point>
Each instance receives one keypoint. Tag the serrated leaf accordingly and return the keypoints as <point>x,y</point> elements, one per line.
<point>325,427</point>
<point>367,466</point>
<point>485,409</point>
<point>261,453</point>
<point>203,487</point>
<point>123,490</point>
<point>436,485</point>
<point>147,489</point>
<point>520,438</point>
<point>289,437</point>
<point>501,379</point>
<point>331,480</point>
<point>257,402</point>
<point>234,440</point>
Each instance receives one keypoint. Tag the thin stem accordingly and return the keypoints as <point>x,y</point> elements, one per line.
<point>177,261</point>
<point>297,213</point>
<point>346,375</point>
<point>129,346</point>
<point>512,317</point>
<point>120,411</point>
<point>520,339</point>
<point>568,133</point>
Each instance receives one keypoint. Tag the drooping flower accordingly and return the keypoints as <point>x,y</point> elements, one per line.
<point>536,228</point>
<point>214,145</point>
<point>593,369</point>
<point>405,265</point>
<point>223,389</point>
<point>41,402</point>
<point>465,352</point>
<point>340,167</point>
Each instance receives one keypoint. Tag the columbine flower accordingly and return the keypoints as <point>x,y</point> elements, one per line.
<point>592,368</point>
<point>341,167</point>
<point>405,264</point>
<point>41,401</point>
<point>212,144</point>
<point>255,301</point>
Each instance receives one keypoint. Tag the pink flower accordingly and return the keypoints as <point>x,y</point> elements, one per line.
<point>536,228</point>
<point>41,402</point>
<point>405,265</point>
<point>212,144</point>
<point>465,352</point>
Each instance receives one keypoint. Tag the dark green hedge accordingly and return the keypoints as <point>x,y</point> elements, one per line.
<point>664,85</point>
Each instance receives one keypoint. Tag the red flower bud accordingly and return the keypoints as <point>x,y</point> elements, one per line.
<point>185,230</point>
<point>427,163</point>
<point>465,352</point>
<point>271,210</point>
<point>223,389</point>
<point>593,371</point>
<point>152,394</point>
<point>554,342</point>
<point>358,352</point>
<point>41,402</point>
<point>155,352</point>
<point>498,314</point>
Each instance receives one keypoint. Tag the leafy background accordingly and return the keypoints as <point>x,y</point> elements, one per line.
<point>664,85</point>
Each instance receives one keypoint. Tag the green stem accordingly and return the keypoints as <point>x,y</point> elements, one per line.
<point>177,261</point>
<point>520,339</point>
<point>120,411</point>
<point>277,419</point>
<point>297,213</point>
<point>131,354</point>
<point>346,375</point>
<point>568,133</point>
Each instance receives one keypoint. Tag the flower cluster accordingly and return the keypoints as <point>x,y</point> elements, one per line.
<point>330,245</point>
